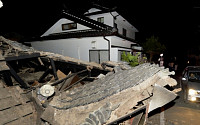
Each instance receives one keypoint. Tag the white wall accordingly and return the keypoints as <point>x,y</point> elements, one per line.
<point>74,47</point>
<point>114,54</point>
<point>117,41</point>
<point>79,47</point>
<point>108,19</point>
<point>57,27</point>
<point>120,21</point>
<point>123,23</point>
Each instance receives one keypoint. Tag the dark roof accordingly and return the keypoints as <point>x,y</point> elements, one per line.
<point>97,29</point>
<point>76,34</point>
<point>86,21</point>
<point>79,34</point>
<point>102,10</point>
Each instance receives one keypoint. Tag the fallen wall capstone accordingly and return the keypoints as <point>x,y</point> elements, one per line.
<point>110,97</point>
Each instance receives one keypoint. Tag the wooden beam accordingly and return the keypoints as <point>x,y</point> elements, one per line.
<point>16,77</point>
<point>54,69</point>
<point>44,75</point>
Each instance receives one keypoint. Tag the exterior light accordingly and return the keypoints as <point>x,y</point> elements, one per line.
<point>192,92</point>
<point>1,4</point>
<point>193,99</point>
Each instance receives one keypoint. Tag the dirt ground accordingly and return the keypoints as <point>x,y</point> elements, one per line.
<point>177,112</point>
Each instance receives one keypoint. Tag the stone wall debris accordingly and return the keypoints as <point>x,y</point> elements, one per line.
<point>96,101</point>
<point>124,88</point>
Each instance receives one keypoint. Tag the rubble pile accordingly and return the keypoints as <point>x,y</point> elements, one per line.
<point>65,90</point>
<point>109,85</point>
<point>118,92</point>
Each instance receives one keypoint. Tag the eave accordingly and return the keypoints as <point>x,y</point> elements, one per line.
<point>80,34</point>
<point>86,21</point>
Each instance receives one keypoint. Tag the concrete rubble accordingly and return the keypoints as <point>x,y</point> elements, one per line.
<point>66,91</point>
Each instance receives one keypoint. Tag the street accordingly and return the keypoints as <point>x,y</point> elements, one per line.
<point>177,112</point>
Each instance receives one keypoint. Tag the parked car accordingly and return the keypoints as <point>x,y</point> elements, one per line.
<point>190,83</point>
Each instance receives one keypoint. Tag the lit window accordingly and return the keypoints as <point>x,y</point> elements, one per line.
<point>69,26</point>
<point>100,19</point>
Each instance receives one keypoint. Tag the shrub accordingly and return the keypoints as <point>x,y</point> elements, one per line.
<point>131,59</point>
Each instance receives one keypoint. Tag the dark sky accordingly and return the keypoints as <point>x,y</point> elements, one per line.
<point>174,22</point>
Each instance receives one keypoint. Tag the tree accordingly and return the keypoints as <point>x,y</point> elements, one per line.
<point>152,46</point>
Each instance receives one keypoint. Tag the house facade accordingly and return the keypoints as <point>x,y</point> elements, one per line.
<point>97,36</point>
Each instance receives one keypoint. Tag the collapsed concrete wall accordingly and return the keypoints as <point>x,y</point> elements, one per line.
<point>109,98</point>
<point>97,102</point>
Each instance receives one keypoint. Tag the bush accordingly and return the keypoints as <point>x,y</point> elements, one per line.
<point>131,59</point>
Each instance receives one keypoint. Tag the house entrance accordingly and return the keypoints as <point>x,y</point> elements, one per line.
<point>98,56</point>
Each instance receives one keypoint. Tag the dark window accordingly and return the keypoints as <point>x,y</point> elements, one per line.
<point>100,19</point>
<point>124,32</point>
<point>69,26</point>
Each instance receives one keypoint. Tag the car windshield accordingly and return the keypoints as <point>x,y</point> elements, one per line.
<point>194,76</point>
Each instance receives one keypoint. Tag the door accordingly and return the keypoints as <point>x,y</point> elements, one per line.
<point>98,56</point>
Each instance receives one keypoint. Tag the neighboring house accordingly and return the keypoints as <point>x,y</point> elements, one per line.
<point>97,36</point>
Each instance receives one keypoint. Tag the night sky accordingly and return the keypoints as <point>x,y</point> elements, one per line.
<point>174,22</point>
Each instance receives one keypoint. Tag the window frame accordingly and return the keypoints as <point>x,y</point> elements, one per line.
<point>99,19</point>
<point>69,26</point>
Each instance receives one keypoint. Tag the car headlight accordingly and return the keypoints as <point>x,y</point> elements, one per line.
<point>192,92</point>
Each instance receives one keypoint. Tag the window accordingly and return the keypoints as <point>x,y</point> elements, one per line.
<point>124,32</point>
<point>100,19</point>
<point>194,76</point>
<point>69,26</point>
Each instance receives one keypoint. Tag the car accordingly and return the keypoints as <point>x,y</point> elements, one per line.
<point>190,83</point>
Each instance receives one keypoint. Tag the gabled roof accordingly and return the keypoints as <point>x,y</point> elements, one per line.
<point>81,33</point>
<point>86,21</point>
<point>77,34</point>
<point>99,10</point>
<point>97,28</point>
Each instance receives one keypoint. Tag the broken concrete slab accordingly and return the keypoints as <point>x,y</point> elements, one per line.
<point>48,116</point>
<point>161,97</point>
<point>124,88</point>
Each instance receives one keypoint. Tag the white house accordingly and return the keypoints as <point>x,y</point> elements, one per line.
<point>98,35</point>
